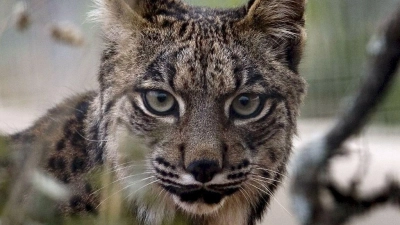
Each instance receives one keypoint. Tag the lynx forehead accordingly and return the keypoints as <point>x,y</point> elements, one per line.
<point>212,94</point>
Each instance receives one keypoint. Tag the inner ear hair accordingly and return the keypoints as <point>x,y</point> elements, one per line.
<point>120,18</point>
<point>282,23</point>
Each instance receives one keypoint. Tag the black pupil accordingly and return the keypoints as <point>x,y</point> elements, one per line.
<point>244,100</point>
<point>161,97</point>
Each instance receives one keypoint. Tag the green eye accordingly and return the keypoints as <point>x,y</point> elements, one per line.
<point>159,102</point>
<point>246,106</point>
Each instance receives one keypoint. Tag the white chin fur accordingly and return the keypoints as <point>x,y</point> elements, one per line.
<point>198,208</point>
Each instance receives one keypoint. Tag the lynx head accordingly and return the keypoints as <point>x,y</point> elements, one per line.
<point>213,93</point>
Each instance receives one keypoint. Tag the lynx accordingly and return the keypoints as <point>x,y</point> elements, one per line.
<point>213,95</point>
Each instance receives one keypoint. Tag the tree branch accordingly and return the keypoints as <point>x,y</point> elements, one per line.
<point>310,169</point>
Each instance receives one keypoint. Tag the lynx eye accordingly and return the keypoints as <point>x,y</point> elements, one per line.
<point>159,102</point>
<point>246,106</point>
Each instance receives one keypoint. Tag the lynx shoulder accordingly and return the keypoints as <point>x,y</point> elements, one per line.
<point>213,95</point>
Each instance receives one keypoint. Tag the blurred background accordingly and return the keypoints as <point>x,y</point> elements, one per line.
<point>39,67</point>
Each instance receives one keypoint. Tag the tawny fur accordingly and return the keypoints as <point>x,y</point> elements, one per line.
<point>204,58</point>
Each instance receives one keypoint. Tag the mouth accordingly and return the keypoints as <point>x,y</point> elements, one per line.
<point>201,201</point>
<point>200,196</point>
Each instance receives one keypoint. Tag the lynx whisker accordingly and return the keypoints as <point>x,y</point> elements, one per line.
<point>122,189</point>
<point>120,179</point>
<point>266,190</point>
<point>130,194</point>
<point>124,166</point>
<point>258,167</point>
<point>245,195</point>
<point>87,139</point>
<point>264,179</point>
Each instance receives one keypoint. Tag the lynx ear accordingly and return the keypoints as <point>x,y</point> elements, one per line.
<point>282,23</point>
<point>120,18</point>
<point>117,18</point>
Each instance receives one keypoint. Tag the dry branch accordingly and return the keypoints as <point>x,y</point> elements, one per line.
<point>310,181</point>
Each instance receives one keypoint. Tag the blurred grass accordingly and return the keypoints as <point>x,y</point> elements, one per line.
<point>4,174</point>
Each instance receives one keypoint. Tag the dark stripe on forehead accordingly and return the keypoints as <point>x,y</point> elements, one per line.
<point>238,70</point>
<point>183,29</point>
<point>253,76</point>
<point>172,72</point>
<point>162,68</point>
<point>153,70</point>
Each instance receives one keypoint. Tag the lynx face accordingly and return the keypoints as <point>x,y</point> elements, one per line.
<point>213,93</point>
<point>211,124</point>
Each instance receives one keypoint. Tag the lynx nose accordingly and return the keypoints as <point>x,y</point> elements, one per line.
<point>203,170</point>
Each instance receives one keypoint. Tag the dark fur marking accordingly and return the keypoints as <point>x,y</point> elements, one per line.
<point>288,114</point>
<point>182,187</point>
<point>60,145</point>
<point>88,188</point>
<point>153,69</point>
<point>77,140</point>
<point>109,52</point>
<point>75,202</point>
<point>246,163</point>
<point>265,173</point>
<point>207,196</point>
<point>107,67</point>
<point>67,128</point>
<point>250,3</point>
<point>183,29</point>
<point>140,113</point>
<point>266,136</point>
<point>257,211</point>
<point>171,70</point>
<point>57,163</point>
<point>81,110</point>
<point>182,151</point>
<point>65,178</point>
<point>108,106</point>
<point>292,57</point>
<point>89,208</point>
<point>272,155</point>
<point>166,23</point>
<point>253,77</point>
<point>78,164</point>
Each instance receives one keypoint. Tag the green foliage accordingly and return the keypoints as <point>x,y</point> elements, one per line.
<point>336,53</point>
<point>5,181</point>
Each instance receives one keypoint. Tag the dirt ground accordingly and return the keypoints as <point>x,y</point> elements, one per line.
<point>375,153</point>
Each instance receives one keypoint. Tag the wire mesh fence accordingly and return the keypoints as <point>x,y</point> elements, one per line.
<point>37,70</point>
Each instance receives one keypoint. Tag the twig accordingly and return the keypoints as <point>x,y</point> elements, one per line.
<point>312,162</point>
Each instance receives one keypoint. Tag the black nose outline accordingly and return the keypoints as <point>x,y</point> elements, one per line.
<point>203,170</point>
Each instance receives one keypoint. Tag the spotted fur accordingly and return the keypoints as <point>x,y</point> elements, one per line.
<point>204,58</point>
